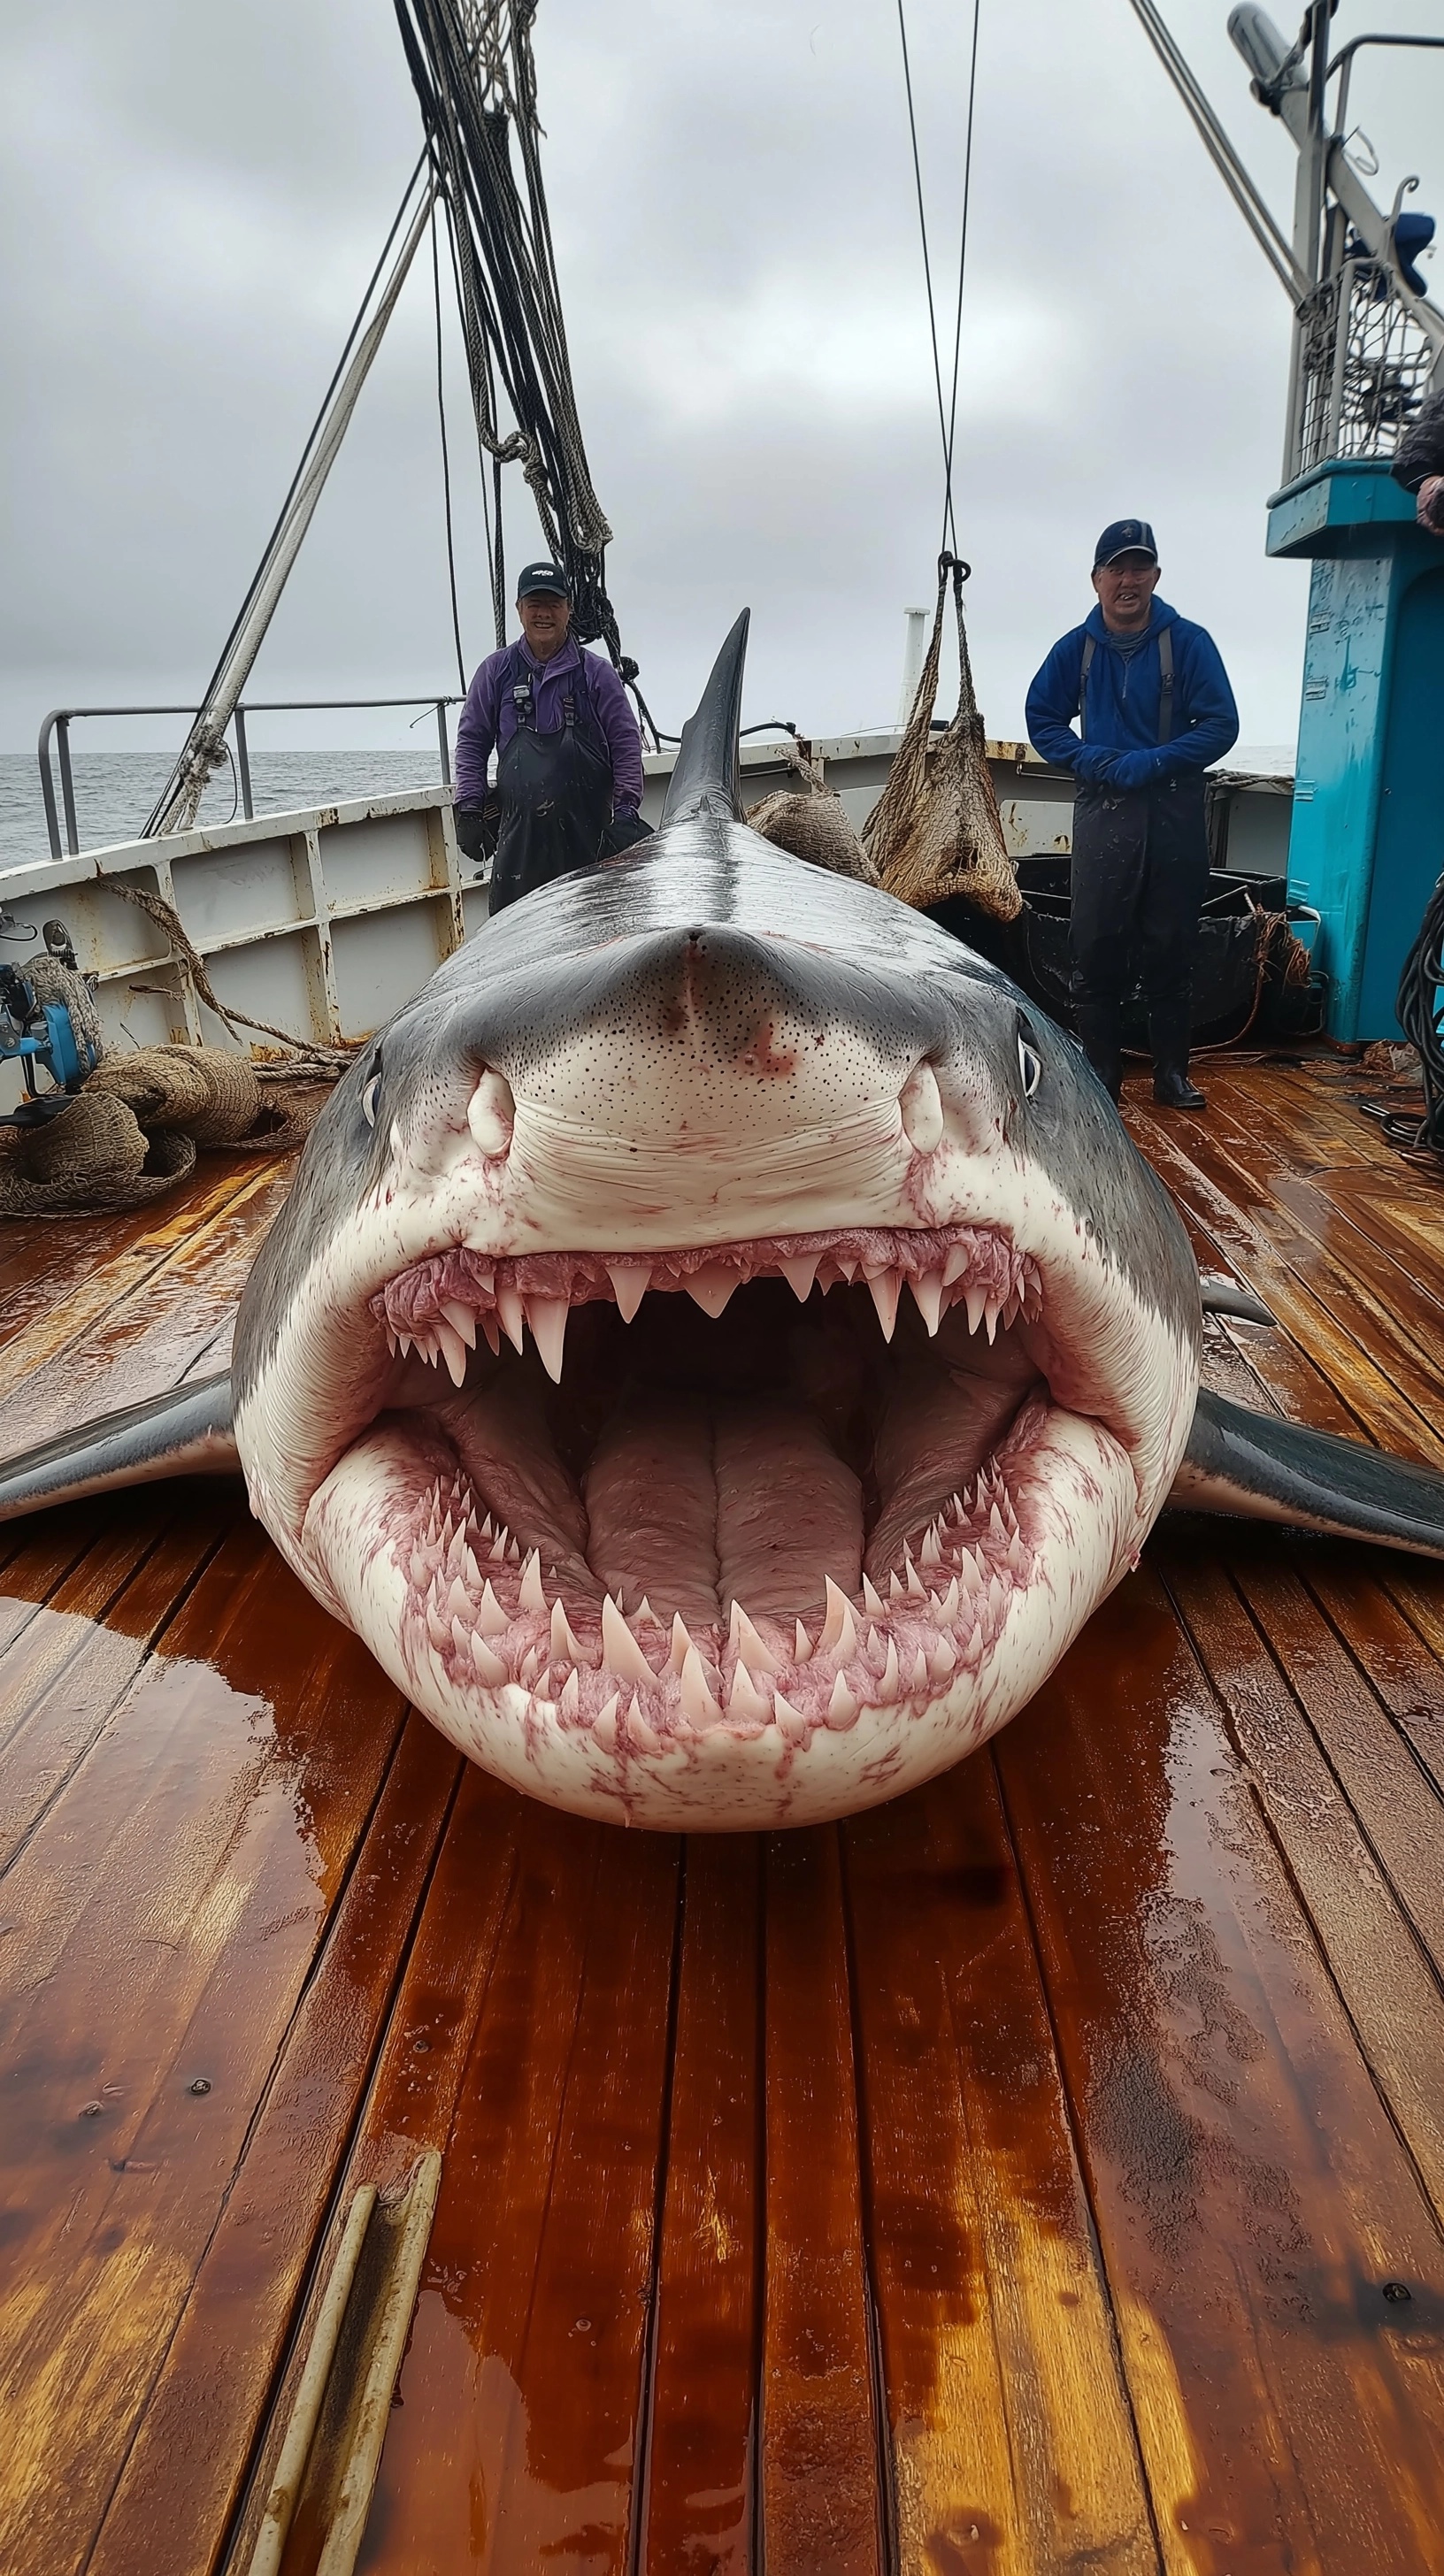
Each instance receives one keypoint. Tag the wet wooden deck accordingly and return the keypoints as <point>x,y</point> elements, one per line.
<point>1044,2173</point>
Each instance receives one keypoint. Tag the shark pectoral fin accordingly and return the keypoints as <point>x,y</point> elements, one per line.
<point>1225,1297</point>
<point>186,1432</point>
<point>1263,1468</point>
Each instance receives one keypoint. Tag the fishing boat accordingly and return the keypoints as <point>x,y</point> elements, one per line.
<point>1043,2171</point>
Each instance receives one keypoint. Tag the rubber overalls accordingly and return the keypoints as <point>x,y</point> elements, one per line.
<point>556,797</point>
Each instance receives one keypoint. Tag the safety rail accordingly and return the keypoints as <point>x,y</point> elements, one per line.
<point>60,719</point>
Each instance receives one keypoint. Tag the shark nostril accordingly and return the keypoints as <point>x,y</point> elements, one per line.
<point>491,1114</point>
<point>922,1110</point>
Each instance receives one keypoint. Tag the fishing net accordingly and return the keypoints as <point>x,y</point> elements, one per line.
<point>133,1132</point>
<point>934,830</point>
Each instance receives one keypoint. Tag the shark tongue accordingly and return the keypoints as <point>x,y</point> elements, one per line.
<point>697,1500</point>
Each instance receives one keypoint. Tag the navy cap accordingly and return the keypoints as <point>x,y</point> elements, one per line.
<point>1124,537</point>
<point>542,576</point>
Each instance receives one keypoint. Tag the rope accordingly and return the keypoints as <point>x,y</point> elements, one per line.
<point>445,455</point>
<point>472,68</point>
<point>1420,1017</point>
<point>327,1061</point>
<point>947,417</point>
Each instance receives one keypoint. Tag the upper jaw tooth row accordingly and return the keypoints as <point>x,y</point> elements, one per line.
<point>484,1611</point>
<point>436,1308</point>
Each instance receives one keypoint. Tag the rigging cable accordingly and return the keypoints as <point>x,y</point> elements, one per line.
<point>947,416</point>
<point>445,456</point>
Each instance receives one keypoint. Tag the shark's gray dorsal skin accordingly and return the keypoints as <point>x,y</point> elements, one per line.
<point>721,1344</point>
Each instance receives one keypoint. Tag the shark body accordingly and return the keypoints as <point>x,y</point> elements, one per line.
<point>721,1345</point>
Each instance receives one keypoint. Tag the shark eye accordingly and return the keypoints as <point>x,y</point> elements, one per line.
<point>1030,1063</point>
<point>368,1099</point>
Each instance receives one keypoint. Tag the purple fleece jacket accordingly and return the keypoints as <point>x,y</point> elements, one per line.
<point>488,719</point>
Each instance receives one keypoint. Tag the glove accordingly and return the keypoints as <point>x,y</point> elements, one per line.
<point>1133,770</point>
<point>1095,765</point>
<point>623,832</point>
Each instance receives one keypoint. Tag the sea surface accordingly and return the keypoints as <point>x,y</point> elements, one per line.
<point>115,790</point>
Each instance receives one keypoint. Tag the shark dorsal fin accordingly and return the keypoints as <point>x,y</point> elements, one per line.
<point>705,778</point>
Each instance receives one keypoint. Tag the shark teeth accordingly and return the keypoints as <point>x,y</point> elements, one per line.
<point>445,1304</point>
<point>484,1615</point>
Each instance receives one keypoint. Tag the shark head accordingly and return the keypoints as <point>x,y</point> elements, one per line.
<point>721,1345</point>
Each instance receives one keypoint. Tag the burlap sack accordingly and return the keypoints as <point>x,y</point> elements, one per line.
<point>813,827</point>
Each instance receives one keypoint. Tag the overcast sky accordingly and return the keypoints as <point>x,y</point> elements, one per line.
<point>193,196</point>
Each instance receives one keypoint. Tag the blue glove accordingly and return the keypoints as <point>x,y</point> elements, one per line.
<point>1134,769</point>
<point>1096,764</point>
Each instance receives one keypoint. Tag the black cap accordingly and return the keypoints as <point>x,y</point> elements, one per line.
<point>1124,537</point>
<point>542,576</point>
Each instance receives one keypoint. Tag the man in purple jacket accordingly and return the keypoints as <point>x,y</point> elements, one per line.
<point>569,753</point>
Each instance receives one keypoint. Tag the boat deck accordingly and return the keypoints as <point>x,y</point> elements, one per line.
<point>1045,2172</point>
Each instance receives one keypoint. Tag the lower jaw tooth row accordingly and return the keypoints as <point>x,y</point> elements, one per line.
<point>973,1555</point>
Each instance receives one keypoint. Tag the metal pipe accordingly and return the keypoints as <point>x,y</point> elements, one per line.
<point>445,745</point>
<point>243,762</point>
<point>192,768</point>
<point>60,718</point>
<point>1251,205</point>
<point>1343,63</point>
<point>67,783</point>
<point>47,783</point>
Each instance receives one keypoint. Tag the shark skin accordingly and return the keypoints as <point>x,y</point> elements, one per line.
<point>722,1346</point>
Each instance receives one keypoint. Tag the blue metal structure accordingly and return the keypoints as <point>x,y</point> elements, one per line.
<point>1367,842</point>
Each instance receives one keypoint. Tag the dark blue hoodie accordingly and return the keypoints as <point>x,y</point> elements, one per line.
<point>1121,748</point>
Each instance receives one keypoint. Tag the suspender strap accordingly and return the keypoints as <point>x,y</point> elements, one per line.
<point>1089,646</point>
<point>1165,684</point>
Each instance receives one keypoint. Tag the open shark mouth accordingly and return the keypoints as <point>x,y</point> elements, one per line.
<point>642,1519</point>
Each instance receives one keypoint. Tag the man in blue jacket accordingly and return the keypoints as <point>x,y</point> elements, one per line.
<point>1155,710</point>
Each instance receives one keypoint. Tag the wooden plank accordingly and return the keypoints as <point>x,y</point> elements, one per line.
<point>178,2490</point>
<point>45,1261</point>
<point>1348,1583</point>
<point>515,2439</point>
<point>701,2460</point>
<point>1394,1802</point>
<point>80,1275</point>
<point>1304,1293</point>
<point>36,1556</point>
<point>62,1678</point>
<point>164,1918</point>
<point>1010,2424</point>
<point>824,2499</point>
<point>1250,2191</point>
<point>1391,1996</point>
<point>429,2037</point>
<point>145,1337</point>
<point>1363,1288</point>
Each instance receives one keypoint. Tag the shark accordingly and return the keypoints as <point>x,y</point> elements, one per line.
<point>721,1345</point>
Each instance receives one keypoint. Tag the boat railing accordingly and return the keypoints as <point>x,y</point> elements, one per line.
<point>56,731</point>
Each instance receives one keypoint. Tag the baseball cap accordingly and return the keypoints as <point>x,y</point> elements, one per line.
<point>542,576</point>
<point>1124,537</point>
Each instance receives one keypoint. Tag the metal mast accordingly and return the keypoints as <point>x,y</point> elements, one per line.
<point>1366,338</point>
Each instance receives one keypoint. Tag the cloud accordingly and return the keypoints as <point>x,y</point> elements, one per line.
<point>197,201</point>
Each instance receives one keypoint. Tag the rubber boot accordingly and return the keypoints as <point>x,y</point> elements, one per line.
<point>1100,1036</point>
<point>1168,1038</point>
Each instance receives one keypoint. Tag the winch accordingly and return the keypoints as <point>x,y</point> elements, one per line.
<point>47,1019</point>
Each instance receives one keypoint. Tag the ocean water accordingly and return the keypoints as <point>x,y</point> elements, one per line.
<point>114,791</point>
